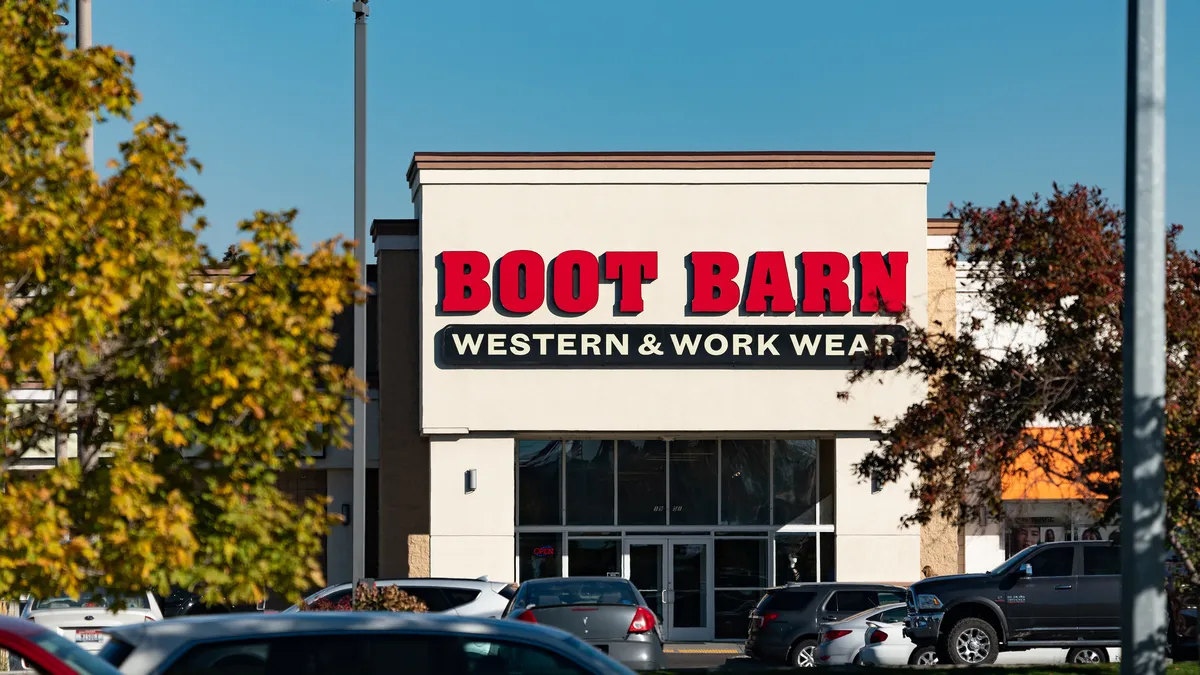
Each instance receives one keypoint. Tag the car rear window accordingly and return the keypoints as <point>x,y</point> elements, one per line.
<point>508,591</point>
<point>575,592</point>
<point>116,651</point>
<point>460,596</point>
<point>89,600</point>
<point>785,601</point>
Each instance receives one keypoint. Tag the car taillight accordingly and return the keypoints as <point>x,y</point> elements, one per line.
<point>764,619</point>
<point>643,621</point>
<point>831,635</point>
<point>527,616</point>
<point>878,636</point>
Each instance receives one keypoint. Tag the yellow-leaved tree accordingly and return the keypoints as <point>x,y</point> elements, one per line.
<point>184,391</point>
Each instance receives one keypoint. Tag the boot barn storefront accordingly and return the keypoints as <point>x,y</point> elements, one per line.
<point>628,365</point>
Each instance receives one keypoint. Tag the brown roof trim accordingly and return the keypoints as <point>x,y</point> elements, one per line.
<point>943,226</point>
<point>670,160</point>
<point>401,226</point>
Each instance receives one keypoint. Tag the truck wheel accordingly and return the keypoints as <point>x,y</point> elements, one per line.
<point>803,654</point>
<point>923,656</point>
<point>972,642</point>
<point>1087,655</point>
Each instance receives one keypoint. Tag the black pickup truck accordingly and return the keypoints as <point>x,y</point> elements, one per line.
<point>1064,594</point>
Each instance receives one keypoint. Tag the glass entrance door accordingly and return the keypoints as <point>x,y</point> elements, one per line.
<point>674,575</point>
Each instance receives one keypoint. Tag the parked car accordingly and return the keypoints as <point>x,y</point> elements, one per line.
<point>886,645</point>
<point>82,620</point>
<point>362,643</point>
<point>42,650</point>
<point>1064,595</point>
<point>462,597</point>
<point>840,642</point>
<point>607,613</point>
<point>785,625</point>
<point>183,602</point>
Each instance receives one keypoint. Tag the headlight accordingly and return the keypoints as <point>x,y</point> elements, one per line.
<point>928,602</point>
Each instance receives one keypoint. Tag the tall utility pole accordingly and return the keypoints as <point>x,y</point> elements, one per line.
<point>358,518</point>
<point>83,40</point>
<point>1143,506</point>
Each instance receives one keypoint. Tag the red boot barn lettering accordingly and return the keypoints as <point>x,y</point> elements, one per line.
<point>523,282</point>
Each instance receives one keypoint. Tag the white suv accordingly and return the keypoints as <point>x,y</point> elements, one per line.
<point>477,598</point>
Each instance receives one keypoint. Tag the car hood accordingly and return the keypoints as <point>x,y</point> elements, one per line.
<point>934,584</point>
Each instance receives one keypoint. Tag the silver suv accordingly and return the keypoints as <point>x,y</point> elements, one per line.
<point>477,598</point>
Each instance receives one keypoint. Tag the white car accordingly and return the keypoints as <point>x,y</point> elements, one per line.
<point>362,643</point>
<point>478,598</point>
<point>83,620</point>
<point>887,646</point>
<point>839,643</point>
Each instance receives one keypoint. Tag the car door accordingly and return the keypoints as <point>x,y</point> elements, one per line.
<point>1042,606</point>
<point>1099,592</point>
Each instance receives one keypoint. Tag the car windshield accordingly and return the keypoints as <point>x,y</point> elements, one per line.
<point>1012,562</point>
<point>98,599</point>
<point>575,592</point>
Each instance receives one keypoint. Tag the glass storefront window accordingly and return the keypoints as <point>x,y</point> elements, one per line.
<point>539,555</point>
<point>693,482</point>
<point>593,557</point>
<point>733,612</point>
<point>740,563</point>
<point>590,483</point>
<point>795,558</point>
<point>795,464</point>
<point>539,466</point>
<point>828,556</point>
<point>745,482</point>
<point>827,482</point>
<point>642,482</point>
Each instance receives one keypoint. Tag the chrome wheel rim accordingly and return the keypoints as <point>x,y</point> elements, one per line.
<point>973,645</point>
<point>804,657</point>
<point>1087,656</point>
<point>926,659</point>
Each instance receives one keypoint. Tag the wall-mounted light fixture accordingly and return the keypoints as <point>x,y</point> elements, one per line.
<point>469,480</point>
<point>345,514</point>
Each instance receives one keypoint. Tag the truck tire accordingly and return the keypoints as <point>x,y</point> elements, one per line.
<point>1085,655</point>
<point>972,642</point>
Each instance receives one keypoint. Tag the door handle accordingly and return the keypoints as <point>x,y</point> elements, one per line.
<point>1063,587</point>
<point>664,596</point>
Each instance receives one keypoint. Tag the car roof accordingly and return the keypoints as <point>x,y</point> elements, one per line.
<point>177,631</point>
<point>548,580</point>
<point>835,585</point>
<point>423,581</point>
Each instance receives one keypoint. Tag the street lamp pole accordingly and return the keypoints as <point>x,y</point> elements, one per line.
<point>358,518</point>
<point>1143,509</point>
<point>83,40</point>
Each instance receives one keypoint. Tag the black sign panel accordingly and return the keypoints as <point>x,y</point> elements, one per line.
<point>670,346</point>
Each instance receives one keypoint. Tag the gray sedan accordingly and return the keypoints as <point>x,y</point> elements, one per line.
<point>355,643</point>
<point>607,613</point>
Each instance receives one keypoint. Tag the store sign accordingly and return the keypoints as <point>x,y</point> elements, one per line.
<point>522,282</point>
<point>650,346</point>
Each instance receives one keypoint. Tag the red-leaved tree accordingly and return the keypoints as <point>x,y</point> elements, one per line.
<point>1055,268</point>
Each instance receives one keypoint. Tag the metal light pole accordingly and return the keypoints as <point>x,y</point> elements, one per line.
<point>1143,509</point>
<point>83,40</point>
<point>358,518</point>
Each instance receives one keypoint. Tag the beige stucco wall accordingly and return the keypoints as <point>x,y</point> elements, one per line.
<point>846,210</point>
<point>871,545</point>
<point>941,548</point>
<point>471,533</point>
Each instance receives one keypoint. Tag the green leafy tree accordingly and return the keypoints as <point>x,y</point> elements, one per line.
<point>1056,267</point>
<point>183,392</point>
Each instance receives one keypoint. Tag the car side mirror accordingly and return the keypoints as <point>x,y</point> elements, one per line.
<point>1026,570</point>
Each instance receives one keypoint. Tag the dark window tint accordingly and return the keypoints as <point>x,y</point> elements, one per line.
<point>741,563</point>
<point>594,557</point>
<point>889,597</point>
<point>115,652</point>
<point>539,477</point>
<point>787,601</point>
<point>795,558</point>
<point>433,598</point>
<point>1054,562</point>
<point>851,601</point>
<point>694,478</point>
<point>1101,560</point>
<point>590,488</point>
<point>460,596</point>
<point>795,482</point>
<point>371,654</point>
<point>745,482</point>
<point>642,482</point>
<point>893,615</point>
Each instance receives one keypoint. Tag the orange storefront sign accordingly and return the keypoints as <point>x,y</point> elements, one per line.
<point>1045,472</point>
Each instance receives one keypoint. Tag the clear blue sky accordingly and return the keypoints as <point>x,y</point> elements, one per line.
<point>1010,95</point>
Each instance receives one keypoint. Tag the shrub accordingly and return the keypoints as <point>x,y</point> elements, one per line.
<point>371,599</point>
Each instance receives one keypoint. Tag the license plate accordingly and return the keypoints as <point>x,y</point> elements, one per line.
<point>88,636</point>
